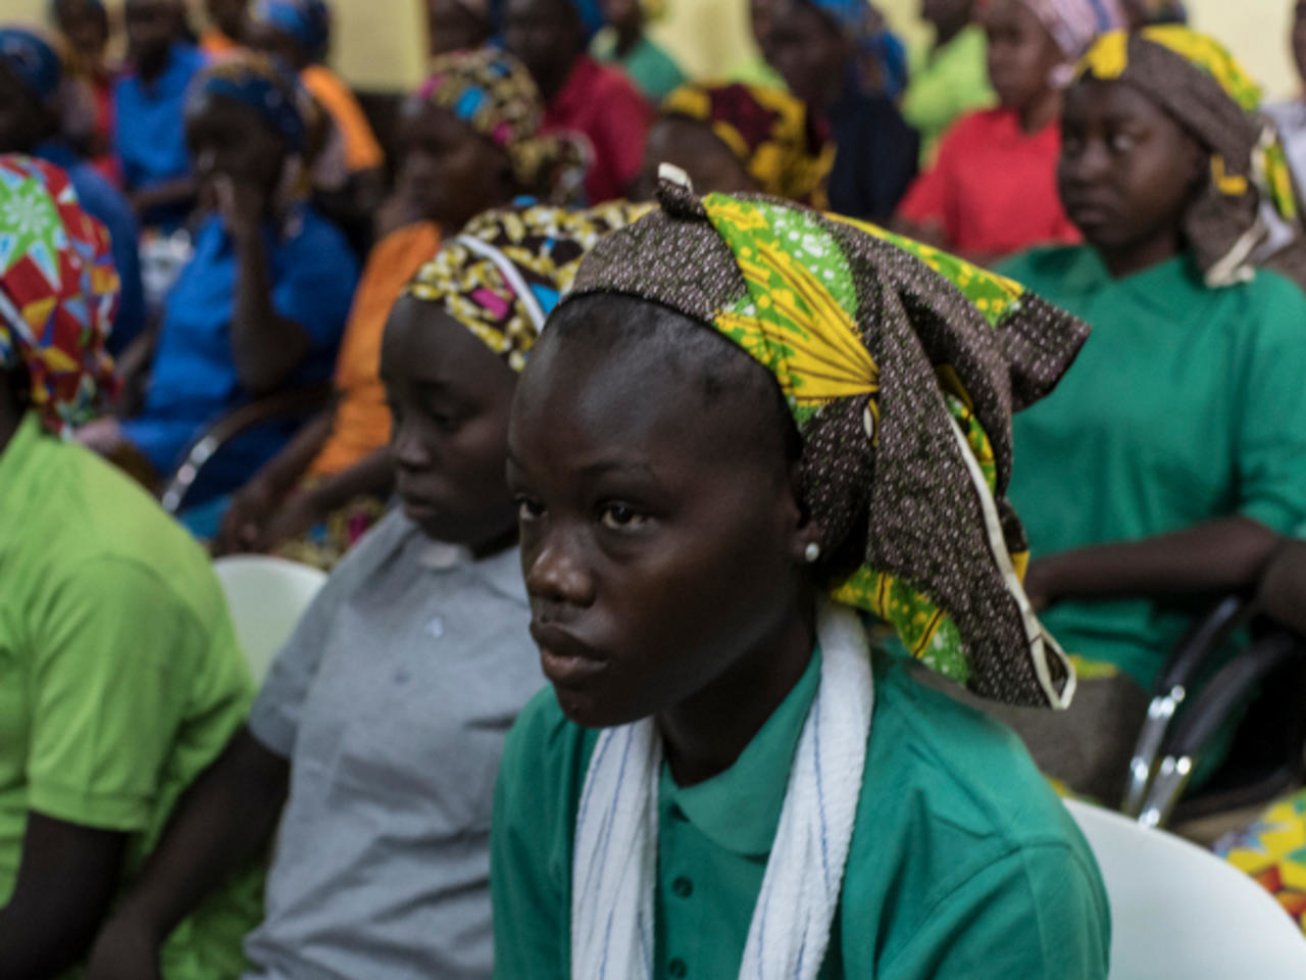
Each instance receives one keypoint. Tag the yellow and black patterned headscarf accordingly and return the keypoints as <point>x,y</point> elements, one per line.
<point>1197,81</point>
<point>768,130</point>
<point>901,366</point>
<point>509,267</point>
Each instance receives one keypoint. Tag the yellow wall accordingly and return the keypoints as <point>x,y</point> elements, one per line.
<point>379,43</point>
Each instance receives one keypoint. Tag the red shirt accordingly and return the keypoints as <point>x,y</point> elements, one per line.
<point>602,105</point>
<point>993,188</point>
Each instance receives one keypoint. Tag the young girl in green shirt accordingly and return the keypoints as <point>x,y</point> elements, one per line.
<point>745,425</point>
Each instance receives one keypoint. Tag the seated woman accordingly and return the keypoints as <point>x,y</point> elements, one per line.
<point>814,44</point>
<point>736,138</point>
<point>121,677</point>
<point>376,739</point>
<point>624,42</point>
<point>262,305</point>
<point>469,142</point>
<point>1172,459</point>
<point>740,407</point>
<point>299,33</point>
<point>993,189</point>
<point>596,102</point>
<point>83,28</point>
<point>31,118</point>
<point>149,135</point>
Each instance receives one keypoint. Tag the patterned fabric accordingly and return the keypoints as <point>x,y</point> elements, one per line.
<point>493,92</point>
<point>307,21</point>
<point>33,61</point>
<point>507,270</point>
<point>768,130</point>
<point>1074,24</point>
<point>1273,851</point>
<point>58,292</point>
<point>1196,80</point>
<point>901,366</point>
<point>262,84</point>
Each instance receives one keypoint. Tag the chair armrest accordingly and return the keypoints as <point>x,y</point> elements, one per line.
<point>1227,691</point>
<point>295,403</point>
<point>1191,655</point>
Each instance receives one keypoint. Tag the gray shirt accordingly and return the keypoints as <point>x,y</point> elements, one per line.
<point>392,700</point>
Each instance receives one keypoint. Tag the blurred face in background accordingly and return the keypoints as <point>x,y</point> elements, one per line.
<point>455,25</point>
<point>85,25</point>
<point>152,27</point>
<point>547,37</point>
<point>810,51</point>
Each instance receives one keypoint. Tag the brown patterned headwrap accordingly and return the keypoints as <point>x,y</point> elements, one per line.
<point>901,366</point>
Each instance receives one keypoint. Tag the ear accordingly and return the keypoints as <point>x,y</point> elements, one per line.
<point>802,529</point>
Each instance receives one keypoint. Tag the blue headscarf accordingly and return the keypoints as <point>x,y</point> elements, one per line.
<point>852,15</point>
<point>307,21</point>
<point>33,60</point>
<point>266,86</point>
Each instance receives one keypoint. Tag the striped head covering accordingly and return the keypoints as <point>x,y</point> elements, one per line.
<point>768,130</point>
<point>264,85</point>
<point>1074,24</point>
<point>492,91</point>
<point>901,366</point>
<point>33,61</point>
<point>307,21</point>
<point>508,268</point>
<point>1199,83</point>
<point>58,292</point>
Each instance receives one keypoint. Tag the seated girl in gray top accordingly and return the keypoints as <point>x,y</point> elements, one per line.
<point>376,739</point>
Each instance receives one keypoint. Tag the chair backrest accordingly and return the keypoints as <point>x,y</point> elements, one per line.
<point>267,596</point>
<point>1179,911</point>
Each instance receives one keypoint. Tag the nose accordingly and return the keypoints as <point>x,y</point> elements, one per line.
<point>1088,165</point>
<point>407,449</point>
<point>556,572</point>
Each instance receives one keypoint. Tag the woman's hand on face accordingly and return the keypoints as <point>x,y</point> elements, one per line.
<point>241,207</point>
<point>125,950</point>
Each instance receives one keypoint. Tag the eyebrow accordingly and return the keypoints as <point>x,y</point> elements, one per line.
<point>602,467</point>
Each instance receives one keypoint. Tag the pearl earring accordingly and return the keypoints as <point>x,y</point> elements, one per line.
<point>812,553</point>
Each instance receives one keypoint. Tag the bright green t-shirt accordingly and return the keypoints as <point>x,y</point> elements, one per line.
<point>654,72</point>
<point>944,84</point>
<point>963,863</point>
<point>1186,405</point>
<point>120,674</point>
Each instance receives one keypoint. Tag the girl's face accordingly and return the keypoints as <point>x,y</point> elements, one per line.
<point>152,26</point>
<point>85,25</point>
<point>230,141</point>
<point>1021,53</point>
<point>449,170</point>
<point>661,537</point>
<point>1128,171</point>
<point>454,28</point>
<point>695,149</point>
<point>809,52</point>
<point>449,397</point>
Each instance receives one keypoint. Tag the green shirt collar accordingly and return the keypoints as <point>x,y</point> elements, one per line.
<point>739,809</point>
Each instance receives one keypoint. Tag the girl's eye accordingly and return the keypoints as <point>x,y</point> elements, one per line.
<point>528,510</point>
<point>622,517</point>
<point>1122,142</point>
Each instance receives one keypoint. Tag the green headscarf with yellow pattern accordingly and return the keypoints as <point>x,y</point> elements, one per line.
<point>901,366</point>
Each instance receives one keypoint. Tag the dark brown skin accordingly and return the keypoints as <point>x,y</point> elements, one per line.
<point>448,173</point>
<point>86,28</point>
<point>1021,58</point>
<point>229,16</point>
<point>548,37</point>
<point>153,26</point>
<point>1128,173</point>
<point>24,122</point>
<point>451,398</point>
<point>809,51</point>
<point>454,28</point>
<point>692,146</point>
<point>67,873</point>
<point>627,18</point>
<point>662,537</point>
<point>948,18</point>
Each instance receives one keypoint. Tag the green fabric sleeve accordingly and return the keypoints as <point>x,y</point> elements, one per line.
<point>1037,912</point>
<point>110,681</point>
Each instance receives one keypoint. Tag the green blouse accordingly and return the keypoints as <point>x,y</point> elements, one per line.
<point>963,863</point>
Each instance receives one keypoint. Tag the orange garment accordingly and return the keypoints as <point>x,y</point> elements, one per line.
<point>362,420</point>
<point>215,44</point>
<point>362,151</point>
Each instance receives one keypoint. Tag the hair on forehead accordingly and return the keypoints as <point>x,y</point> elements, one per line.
<point>657,337</point>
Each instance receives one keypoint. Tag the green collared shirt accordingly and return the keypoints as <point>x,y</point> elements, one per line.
<point>962,863</point>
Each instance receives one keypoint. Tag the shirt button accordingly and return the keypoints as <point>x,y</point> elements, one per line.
<point>683,887</point>
<point>677,968</point>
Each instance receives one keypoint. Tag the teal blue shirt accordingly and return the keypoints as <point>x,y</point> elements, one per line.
<point>963,863</point>
<point>1185,406</point>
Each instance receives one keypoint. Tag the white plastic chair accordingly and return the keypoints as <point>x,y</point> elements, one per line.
<point>1179,911</point>
<point>266,596</point>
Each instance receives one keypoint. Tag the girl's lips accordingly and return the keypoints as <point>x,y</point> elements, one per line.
<point>565,659</point>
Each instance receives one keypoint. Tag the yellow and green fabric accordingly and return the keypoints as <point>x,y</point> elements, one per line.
<point>1196,80</point>
<point>901,366</point>
<point>1273,852</point>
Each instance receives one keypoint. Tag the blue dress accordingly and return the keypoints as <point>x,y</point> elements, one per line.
<point>194,381</point>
